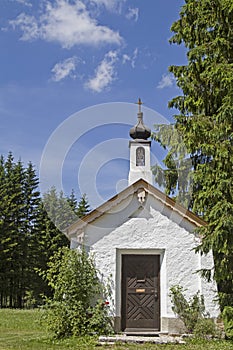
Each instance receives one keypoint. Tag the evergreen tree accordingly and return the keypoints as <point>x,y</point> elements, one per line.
<point>60,210</point>
<point>3,236</point>
<point>11,240</point>
<point>177,177</point>
<point>53,210</point>
<point>31,230</point>
<point>47,241</point>
<point>83,207</point>
<point>31,251</point>
<point>56,213</point>
<point>205,124</point>
<point>72,200</point>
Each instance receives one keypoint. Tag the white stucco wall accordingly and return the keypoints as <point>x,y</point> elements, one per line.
<point>129,230</point>
<point>140,172</point>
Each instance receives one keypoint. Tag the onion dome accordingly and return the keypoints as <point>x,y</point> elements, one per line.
<point>140,131</point>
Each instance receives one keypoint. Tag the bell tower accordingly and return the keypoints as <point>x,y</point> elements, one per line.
<point>140,150</point>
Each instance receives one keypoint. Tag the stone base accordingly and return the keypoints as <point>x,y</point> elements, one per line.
<point>163,339</point>
<point>117,324</point>
<point>168,325</point>
<point>172,326</point>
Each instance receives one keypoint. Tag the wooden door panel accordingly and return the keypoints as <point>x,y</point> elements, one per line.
<point>140,292</point>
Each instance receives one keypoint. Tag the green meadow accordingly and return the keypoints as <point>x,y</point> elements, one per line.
<point>23,330</point>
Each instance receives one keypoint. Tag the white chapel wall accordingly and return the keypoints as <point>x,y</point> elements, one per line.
<point>153,233</point>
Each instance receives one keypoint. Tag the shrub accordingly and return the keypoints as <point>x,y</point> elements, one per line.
<point>205,328</point>
<point>227,316</point>
<point>77,306</point>
<point>189,311</point>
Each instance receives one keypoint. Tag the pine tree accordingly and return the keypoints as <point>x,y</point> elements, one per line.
<point>32,251</point>
<point>19,198</point>
<point>47,241</point>
<point>72,200</point>
<point>31,231</point>
<point>83,206</point>
<point>205,124</point>
<point>11,227</point>
<point>13,238</point>
<point>59,209</point>
<point>3,236</point>
<point>56,213</point>
<point>177,177</point>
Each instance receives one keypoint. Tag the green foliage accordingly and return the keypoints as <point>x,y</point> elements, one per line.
<point>205,125</point>
<point>30,232</point>
<point>18,212</point>
<point>206,328</point>
<point>189,311</point>
<point>83,206</point>
<point>77,306</point>
<point>227,316</point>
<point>176,178</point>
<point>192,313</point>
<point>60,210</point>
<point>63,211</point>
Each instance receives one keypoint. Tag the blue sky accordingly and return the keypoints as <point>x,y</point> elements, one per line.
<point>58,59</point>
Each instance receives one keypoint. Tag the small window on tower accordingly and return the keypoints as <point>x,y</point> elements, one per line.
<point>140,156</point>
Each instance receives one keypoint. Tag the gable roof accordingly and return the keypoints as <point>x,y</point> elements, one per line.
<point>130,190</point>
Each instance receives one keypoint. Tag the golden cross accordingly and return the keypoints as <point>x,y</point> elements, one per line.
<point>139,103</point>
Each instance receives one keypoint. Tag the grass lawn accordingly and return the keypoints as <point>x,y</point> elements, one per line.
<point>22,330</point>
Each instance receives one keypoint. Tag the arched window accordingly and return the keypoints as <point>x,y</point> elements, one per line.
<point>140,156</point>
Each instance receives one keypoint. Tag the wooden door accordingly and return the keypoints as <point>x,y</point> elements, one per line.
<point>140,293</point>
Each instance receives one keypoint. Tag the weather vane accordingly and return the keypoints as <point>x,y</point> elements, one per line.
<point>139,103</point>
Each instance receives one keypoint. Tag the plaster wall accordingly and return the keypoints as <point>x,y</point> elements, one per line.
<point>146,230</point>
<point>140,172</point>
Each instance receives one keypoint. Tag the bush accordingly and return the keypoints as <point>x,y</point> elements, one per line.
<point>227,316</point>
<point>206,328</point>
<point>189,311</point>
<point>78,304</point>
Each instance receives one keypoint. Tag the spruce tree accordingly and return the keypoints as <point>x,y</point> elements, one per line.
<point>31,231</point>
<point>3,237</point>
<point>32,251</point>
<point>205,123</point>
<point>72,200</point>
<point>59,210</point>
<point>11,230</point>
<point>83,206</point>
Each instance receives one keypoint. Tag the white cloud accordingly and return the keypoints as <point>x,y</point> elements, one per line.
<point>110,5</point>
<point>135,55</point>
<point>64,69</point>
<point>24,2</point>
<point>133,13</point>
<point>68,23</point>
<point>126,58</point>
<point>28,25</point>
<point>104,74</point>
<point>132,59</point>
<point>167,81</point>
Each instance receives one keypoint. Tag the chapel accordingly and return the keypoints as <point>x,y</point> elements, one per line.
<point>144,243</point>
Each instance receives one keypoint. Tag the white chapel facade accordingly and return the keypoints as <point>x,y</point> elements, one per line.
<point>144,244</point>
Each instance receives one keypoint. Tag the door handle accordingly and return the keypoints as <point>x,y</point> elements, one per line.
<point>156,294</point>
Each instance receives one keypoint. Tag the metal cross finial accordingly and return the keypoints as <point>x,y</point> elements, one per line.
<point>139,103</point>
